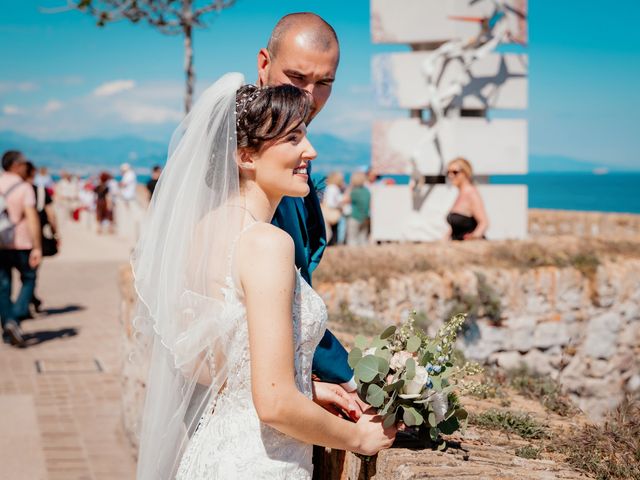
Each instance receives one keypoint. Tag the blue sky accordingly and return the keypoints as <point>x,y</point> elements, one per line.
<point>60,73</point>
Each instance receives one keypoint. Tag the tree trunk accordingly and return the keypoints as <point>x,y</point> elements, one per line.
<point>188,55</point>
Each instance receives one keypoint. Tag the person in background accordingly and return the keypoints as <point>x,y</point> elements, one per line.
<point>332,203</point>
<point>467,218</point>
<point>43,179</point>
<point>155,175</point>
<point>358,223</point>
<point>22,246</point>
<point>128,184</point>
<point>48,228</point>
<point>104,204</point>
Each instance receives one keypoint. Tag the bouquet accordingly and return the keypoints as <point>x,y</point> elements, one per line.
<point>412,378</point>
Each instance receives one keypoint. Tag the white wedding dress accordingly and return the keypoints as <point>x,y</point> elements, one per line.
<point>230,442</point>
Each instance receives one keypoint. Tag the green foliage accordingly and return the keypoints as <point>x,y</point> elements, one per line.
<point>409,376</point>
<point>519,423</point>
<point>610,450</point>
<point>485,303</point>
<point>543,388</point>
<point>528,451</point>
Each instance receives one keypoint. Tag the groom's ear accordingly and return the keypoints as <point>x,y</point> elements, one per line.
<point>264,63</point>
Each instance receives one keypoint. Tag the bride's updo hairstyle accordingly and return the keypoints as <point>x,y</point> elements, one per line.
<point>266,114</point>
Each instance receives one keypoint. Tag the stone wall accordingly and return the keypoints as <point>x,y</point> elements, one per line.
<point>593,224</point>
<point>577,323</point>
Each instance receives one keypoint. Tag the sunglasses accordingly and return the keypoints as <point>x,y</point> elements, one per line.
<point>453,172</point>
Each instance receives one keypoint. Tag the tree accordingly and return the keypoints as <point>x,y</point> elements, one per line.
<point>171,17</point>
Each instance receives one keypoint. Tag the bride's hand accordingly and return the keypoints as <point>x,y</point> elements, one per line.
<point>373,436</point>
<point>333,397</point>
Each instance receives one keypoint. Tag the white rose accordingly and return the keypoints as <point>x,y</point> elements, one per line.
<point>415,386</point>
<point>399,360</point>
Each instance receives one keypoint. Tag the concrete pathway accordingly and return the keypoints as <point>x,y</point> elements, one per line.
<point>60,397</point>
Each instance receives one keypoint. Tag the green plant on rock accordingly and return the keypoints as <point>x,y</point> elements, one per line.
<point>485,303</point>
<point>610,450</point>
<point>542,388</point>
<point>528,451</point>
<point>519,423</point>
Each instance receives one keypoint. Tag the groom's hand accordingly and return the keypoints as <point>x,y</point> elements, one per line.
<point>335,399</point>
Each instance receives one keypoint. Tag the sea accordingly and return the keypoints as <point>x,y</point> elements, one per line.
<point>610,192</point>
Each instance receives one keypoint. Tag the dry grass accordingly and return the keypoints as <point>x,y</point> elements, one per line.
<point>381,262</point>
<point>607,451</point>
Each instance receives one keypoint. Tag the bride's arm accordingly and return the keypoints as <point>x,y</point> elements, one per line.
<point>265,258</point>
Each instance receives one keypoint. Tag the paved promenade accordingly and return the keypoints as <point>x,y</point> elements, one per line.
<point>60,397</point>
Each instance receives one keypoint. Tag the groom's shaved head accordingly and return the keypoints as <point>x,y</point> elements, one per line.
<point>314,31</point>
<point>303,50</point>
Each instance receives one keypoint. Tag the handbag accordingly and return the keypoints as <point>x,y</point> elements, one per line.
<point>331,215</point>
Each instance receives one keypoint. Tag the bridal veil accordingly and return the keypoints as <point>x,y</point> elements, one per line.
<point>180,265</point>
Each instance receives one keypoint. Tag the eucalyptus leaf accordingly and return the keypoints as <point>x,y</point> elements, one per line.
<point>461,414</point>
<point>413,344</point>
<point>412,417</point>
<point>389,403</point>
<point>360,342</point>
<point>436,382</point>
<point>383,366</point>
<point>410,369</point>
<point>433,433</point>
<point>388,332</point>
<point>367,369</point>
<point>441,446</point>
<point>383,353</point>
<point>389,420</point>
<point>394,386</point>
<point>375,395</point>
<point>449,426</point>
<point>378,342</point>
<point>431,419</point>
<point>354,357</point>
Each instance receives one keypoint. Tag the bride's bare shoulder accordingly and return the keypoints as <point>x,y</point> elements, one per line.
<point>267,239</point>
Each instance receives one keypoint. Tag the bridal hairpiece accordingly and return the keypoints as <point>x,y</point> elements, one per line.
<point>245,100</point>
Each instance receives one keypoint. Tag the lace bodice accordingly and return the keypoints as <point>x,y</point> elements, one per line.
<point>230,441</point>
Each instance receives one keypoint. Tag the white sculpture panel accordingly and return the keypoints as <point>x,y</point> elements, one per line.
<point>397,215</point>
<point>493,81</point>
<point>409,147</point>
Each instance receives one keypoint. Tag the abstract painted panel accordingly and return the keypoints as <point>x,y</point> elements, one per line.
<point>435,21</point>
<point>493,81</point>
<point>408,146</point>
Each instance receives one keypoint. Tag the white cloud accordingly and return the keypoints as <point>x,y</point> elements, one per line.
<point>12,110</point>
<point>144,113</point>
<point>7,87</point>
<point>114,87</point>
<point>52,106</point>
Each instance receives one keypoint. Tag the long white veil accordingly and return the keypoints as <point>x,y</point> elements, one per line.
<point>181,266</point>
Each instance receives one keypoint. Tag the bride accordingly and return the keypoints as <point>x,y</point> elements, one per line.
<point>229,324</point>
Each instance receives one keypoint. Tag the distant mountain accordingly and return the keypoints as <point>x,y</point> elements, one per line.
<point>334,153</point>
<point>94,154</point>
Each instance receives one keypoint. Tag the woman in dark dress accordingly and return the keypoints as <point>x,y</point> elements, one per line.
<point>467,218</point>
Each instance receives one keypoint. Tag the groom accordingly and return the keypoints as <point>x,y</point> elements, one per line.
<point>303,50</point>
